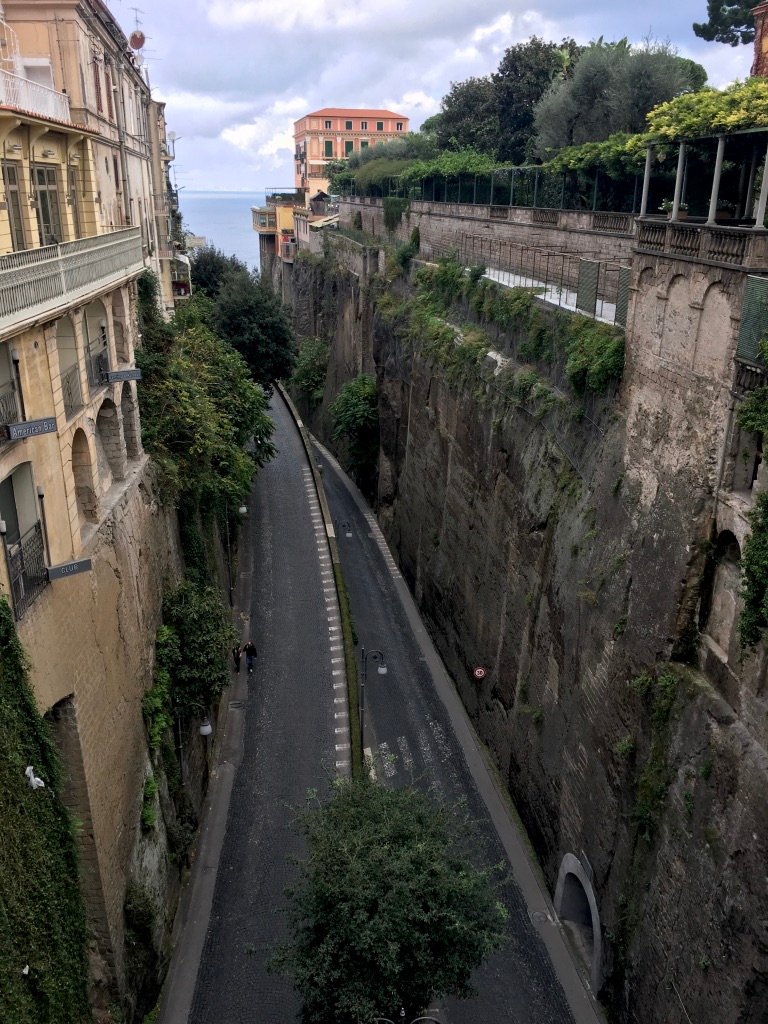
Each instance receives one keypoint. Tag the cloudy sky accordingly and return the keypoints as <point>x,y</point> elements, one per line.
<point>235,74</point>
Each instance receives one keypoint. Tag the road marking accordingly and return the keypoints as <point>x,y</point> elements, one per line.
<point>337,672</point>
<point>335,661</point>
<point>341,728</point>
<point>343,746</point>
<point>338,647</point>
<point>339,700</point>
<point>339,686</point>
<point>341,714</point>
<point>342,764</point>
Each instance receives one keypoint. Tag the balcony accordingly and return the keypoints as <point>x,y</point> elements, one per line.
<point>33,98</point>
<point>288,251</point>
<point>97,364</point>
<point>27,569</point>
<point>41,284</point>
<point>741,247</point>
<point>71,391</point>
<point>10,411</point>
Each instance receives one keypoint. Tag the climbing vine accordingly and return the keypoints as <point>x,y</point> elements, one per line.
<point>754,589</point>
<point>42,921</point>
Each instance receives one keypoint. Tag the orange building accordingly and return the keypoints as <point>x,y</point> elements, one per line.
<point>337,132</point>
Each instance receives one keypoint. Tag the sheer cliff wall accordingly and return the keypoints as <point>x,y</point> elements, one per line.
<point>579,556</point>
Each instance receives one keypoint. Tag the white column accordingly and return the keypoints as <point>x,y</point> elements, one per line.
<point>711,219</point>
<point>646,181</point>
<point>760,212</point>
<point>750,203</point>
<point>678,181</point>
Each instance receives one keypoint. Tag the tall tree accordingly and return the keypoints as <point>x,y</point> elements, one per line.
<point>524,75</point>
<point>728,21</point>
<point>388,911</point>
<point>612,89</point>
<point>468,117</point>
<point>252,319</point>
<point>209,267</point>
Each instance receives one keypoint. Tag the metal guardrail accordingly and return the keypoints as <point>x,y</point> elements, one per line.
<point>32,97</point>
<point>41,282</point>
<point>27,569</point>
<point>9,406</point>
<point>71,390</point>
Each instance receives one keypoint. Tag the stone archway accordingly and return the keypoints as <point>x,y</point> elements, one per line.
<point>109,443</point>
<point>82,469</point>
<point>576,906</point>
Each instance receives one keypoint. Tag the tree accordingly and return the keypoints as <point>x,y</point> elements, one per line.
<point>612,89</point>
<point>728,21</point>
<point>468,118</point>
<point>252,319</point>
<point>209,267</point>
<point>524,75</point>
<point>388,911</point>
<point>355,415</point>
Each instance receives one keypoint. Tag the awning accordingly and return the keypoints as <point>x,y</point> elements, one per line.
<point>323,222</point>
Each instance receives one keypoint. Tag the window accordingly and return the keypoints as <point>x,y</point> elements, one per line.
<point>399,126</point>
<point>108,84</point>
<point>13,199</point>
<point>364,144</point>
<point>363,126</point>
<point>39,70</point>
<point>48,213</point>
<point>348,125</point>
<point>328,152</point>
<point>328,124</point>
<point>74,201</point>
<point>348,147</point>
<point>97,83</point>
<point>379,126</point>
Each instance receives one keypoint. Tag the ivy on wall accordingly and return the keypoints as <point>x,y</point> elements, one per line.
<point>43,967</point>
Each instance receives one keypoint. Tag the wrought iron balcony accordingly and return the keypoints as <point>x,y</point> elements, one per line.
<point>71,391</point>
<point>9,407</point>
<point>97,363</point>
<point>33,98</point>
<point>27,569</point>
<point>41,284</point>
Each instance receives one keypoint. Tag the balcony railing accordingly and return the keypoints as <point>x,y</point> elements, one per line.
<point>9,406</point>
<point>43,283</point>
<point>27,569</point>
<point>288,251</point>
<point>71,391</point>
<point>97,364</point>
<point>736,246</point>
<point>32,98</point>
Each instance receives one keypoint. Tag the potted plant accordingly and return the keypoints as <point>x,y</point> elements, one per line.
<point>667,206</point>
<point>725,209</point>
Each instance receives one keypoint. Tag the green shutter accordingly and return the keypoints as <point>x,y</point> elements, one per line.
<point>754,319</point>
<point>586,289</point>
<point>622,297</point>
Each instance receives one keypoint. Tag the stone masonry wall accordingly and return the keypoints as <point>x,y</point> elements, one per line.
<point>567,555</point>
<point>90,640</point>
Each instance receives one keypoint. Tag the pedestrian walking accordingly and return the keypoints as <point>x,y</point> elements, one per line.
<point>237,653</point>
<point>249,650</point>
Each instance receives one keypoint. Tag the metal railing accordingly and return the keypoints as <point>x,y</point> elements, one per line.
<point>39,283</point>
<point>32,97</point>
<point>71,391</point>
<point>27,569</point>
<point>9,406</point>
<point>597,288</point>
<point>97,364</point>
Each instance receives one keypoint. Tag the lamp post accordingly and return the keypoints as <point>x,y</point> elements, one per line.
<point>242,510</point>
<point>381,667</point>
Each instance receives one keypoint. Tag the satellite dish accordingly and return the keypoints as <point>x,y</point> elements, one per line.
<point>137,39</point>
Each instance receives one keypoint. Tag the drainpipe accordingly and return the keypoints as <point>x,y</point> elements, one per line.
<point>119,104</point>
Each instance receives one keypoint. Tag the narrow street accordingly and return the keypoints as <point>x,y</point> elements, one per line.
<point>281,738</point>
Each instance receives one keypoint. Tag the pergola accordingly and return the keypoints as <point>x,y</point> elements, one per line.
<point>745,148</point>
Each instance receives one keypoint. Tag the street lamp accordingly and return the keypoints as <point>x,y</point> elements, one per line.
<point>381,667</point>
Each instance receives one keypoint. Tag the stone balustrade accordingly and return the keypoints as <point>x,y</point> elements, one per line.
<point>733,246</point>
<point>41,284</point>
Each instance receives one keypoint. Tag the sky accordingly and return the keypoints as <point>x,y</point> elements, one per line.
<point>236,74</point>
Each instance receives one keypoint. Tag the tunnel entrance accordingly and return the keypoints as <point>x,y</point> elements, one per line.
<point>576,907</point>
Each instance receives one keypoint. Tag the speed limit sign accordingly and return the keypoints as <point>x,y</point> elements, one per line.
<point>479,672</point>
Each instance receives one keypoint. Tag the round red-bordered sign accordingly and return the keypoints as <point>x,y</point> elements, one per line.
<point>479,672</point>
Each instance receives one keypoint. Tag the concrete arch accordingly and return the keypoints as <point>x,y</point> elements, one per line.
<point>110,446</point>
<point>576,904</point>
<point>129,410</point>
<point>82,470</point>
<point>680,322</point>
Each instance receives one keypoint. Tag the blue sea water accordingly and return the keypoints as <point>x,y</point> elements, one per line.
<point>224,219</point>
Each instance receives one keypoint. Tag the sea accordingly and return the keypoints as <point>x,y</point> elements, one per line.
<point>224,220</point>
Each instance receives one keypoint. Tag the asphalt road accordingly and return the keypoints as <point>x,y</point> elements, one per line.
<point>412,740</point>
<point>288,740</point>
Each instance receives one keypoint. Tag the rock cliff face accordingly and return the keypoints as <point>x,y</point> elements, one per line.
<point>571,555</point>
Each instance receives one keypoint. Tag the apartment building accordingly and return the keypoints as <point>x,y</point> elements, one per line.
<point>85,208</point>
<point>334,133</point>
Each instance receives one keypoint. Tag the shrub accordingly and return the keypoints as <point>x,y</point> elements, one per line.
<point>310,369</point>
<point>595,355</point>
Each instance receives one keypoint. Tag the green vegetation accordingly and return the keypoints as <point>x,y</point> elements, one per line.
<point>308,376</point>
<point>148,805</point>
<point>43,966</point>
<point>625,747</point>
<point>388,912</point>
<point>394,208</point>
<point>728,21</point>
<point>246,314</point>
<point>658,694</point>
<point>754,567</point>
<point>355,416</point>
